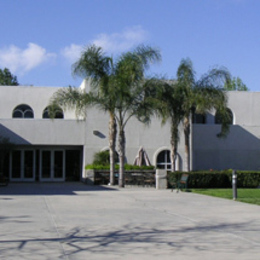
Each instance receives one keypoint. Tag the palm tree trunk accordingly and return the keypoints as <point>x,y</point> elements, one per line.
<point>112,146</point>
<point>174,145</point>
<point>187,143</point>
<point>121,142</point>
<point>173,156</point>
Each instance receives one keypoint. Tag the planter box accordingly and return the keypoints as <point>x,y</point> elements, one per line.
<point>132,177</point>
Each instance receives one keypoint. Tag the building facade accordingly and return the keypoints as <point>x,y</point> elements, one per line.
<point>58,149</point>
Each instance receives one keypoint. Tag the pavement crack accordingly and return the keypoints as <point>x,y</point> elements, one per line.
<point>55,226</point>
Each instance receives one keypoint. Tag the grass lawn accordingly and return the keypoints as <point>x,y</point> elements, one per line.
<point>243,195</point>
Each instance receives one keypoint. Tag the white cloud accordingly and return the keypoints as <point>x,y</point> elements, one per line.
<point>72,52</point>
<point>119,42</point>
<point>113,43</point>
<point>23,60</point>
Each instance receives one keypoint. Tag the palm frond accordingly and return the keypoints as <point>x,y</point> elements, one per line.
<point>92,63</point>
<point>186,74</point>
<point>71,98</point>
<point>215,78</point>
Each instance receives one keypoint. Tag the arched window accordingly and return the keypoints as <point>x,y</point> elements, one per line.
<point>23,111</point>
<point>56,111</point>
<point>218,117</point>
<point>163,160</point>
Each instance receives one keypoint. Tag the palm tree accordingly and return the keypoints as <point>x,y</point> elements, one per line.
<point>105,100</point>
<point>168,104</point>
<point>98,68</point>
<point>133,93</point>
<point>201,96</point>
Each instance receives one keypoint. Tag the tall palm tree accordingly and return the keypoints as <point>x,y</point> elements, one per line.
<point>168,104</point>
<point>133,93</point>
<point>98,68</point>
<point>201,96</point>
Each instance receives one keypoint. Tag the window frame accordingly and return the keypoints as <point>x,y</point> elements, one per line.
<point>23,109</point>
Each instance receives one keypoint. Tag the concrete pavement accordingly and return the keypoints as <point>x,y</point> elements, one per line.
<point>74,221</point>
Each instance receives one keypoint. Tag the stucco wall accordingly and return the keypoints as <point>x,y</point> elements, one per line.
<point>69,131</point>
<point>43,131</point>
<point>37,131</point>
<point>36,97</point>
<point>245,107</point>
<point>153,138</point>
<point>241,148</point>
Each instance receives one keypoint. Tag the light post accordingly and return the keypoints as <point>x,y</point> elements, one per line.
<point>234,184</point>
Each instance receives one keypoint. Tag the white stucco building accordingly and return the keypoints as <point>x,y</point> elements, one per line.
<point>58,149</point>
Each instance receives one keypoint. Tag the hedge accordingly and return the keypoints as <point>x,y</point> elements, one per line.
<point>217,179</point>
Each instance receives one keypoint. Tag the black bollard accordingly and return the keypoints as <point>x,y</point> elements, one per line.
<point>234,184</point>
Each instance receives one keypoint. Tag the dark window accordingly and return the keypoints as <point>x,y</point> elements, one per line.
<point>73,165</point>
<point>46,164</point>
<point>56,110</point>
<point>23,111</point>
<point>164,160</point>
<point>58,164</point>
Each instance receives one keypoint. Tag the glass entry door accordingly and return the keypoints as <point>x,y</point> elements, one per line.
<point>29,165</point>
<point>52,165</point>
<point>22,164</point>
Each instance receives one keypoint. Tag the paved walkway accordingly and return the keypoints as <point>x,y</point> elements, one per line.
<point>75,221</point>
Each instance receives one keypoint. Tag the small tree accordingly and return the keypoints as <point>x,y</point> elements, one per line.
<point>101,158</point>
<point>7,79</point>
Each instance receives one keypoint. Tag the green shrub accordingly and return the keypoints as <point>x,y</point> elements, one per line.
<point>209,180</point>
<point>127,167</point>
<point>217,179</point>
<point>248,179</point>
<point>101,158</point>
<point>97,167</point>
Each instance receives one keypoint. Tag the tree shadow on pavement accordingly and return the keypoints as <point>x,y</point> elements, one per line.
<point>137,241</point>
<point>63,188</point>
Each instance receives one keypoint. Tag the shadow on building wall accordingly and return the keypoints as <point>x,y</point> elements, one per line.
<point>239,150</point>
<point>14,138</point>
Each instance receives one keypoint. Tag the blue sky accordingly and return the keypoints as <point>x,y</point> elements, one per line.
<point>41,39</point>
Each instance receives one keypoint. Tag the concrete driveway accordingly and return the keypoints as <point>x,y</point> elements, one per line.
<point>74,221</point>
